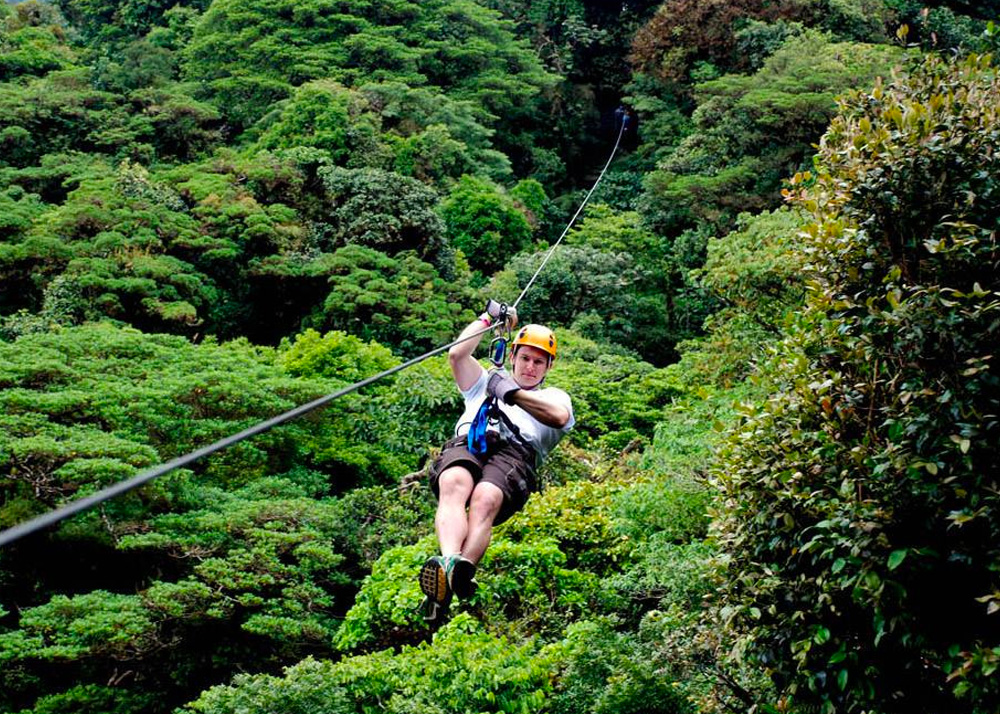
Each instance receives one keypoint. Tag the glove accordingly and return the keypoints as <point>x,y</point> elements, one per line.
<point>493,311</point>
<point>493,308</point>
<point>502,387</point>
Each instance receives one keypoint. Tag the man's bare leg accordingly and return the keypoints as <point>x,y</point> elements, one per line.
<point>451,522</point>
<point>483,509</point>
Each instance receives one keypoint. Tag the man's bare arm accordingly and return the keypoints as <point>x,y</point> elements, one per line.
<point>545,411</point>
<point>464,366</point>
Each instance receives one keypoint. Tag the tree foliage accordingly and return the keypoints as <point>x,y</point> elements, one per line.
<point>253,54</point>
<point>245,562</point>
<point>33,41</point>
<point>686,38</point>
<point>400,301</point>
<point>753,131</point>
<point>859,501</point>
<point>684,32</point>
<point>223,170</point>
<point>417,132</point>
<point>756,269</point>
<point>382,210</point>
<point>484,223</point>
<point>62,111</point>
<point>470,669</point>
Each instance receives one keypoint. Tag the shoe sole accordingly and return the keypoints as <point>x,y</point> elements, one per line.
<point>462,579</point>
<point>434,581</point>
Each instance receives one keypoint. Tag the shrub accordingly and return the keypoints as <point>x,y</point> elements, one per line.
<point>464,669</point>
<point>524,587</point>
<point>860,503</point>
<point>676,509</point>
<point>609,672</point>
<point>579,517</point>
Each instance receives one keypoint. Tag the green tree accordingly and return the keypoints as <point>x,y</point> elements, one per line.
<point>956,25</point>
<point>858,502</point>
<point>756,270</point>
<point>33,41</point>
<point>115,23</point>
<point>17,210</point>
<point>613,280</point>
<point>616,397</point>
<point>111,243</point>
<point>400,301</point>
<point>62,112</point>
<point>685,33</point>
<point>417,132</point>
<point>246,562</point>
<point>57,112</point>
<point>327,116</point>
<point>253,54</point>
<point>433,136</point>
<point>751,132</point>
<point>609,671</point>
<point>484,223</point>
<point>381,209</point>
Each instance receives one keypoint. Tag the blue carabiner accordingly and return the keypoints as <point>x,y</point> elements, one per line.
<point>498,351</point>
<point>498,346</point>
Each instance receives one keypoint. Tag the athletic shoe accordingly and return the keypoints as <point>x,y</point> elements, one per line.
<point>434,584</point>
<point>462,577</point>
<point>434,579</point>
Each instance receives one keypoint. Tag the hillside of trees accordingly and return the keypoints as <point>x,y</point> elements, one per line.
<point>777,318</point>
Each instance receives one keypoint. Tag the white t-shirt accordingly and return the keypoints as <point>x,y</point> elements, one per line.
<point>543,438</point>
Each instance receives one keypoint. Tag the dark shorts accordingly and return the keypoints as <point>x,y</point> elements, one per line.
<point>507,465</point>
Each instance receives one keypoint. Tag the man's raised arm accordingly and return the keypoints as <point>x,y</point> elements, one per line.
<point>464,366</point>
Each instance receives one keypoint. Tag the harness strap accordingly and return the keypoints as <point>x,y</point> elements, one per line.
<point>524,443</point>
<point>490,410</point>
<point>513,429</point>
<point>476,438</point>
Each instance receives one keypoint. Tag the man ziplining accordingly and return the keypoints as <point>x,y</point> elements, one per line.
<point>486,472</point>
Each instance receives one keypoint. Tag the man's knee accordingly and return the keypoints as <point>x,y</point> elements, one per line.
<point>486,501</point>
<point>455,481</point>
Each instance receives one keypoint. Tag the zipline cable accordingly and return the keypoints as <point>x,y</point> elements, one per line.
<point>573,219</point>
<point>83,504</point>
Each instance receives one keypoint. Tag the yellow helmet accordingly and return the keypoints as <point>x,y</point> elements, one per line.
<point>536,336</point>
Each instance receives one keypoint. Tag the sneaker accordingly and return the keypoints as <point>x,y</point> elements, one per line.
<point>434,580</point>
<point>462,577</point>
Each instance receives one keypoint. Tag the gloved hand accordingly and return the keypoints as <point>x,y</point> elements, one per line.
<point>493,308</point>
<point>493,312</point>
<point>501,386</point>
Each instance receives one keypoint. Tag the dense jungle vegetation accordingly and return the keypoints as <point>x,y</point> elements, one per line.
<point>777,321</point>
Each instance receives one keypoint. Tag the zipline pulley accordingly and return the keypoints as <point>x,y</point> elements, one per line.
<point>498,345</point>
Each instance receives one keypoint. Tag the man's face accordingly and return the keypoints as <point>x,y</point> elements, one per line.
<point>530,365</point>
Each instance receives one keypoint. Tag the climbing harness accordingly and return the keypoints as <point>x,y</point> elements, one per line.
<point>498,347</point>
